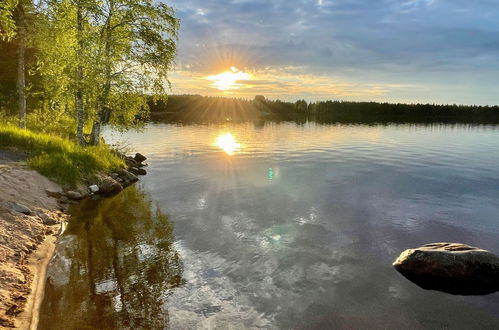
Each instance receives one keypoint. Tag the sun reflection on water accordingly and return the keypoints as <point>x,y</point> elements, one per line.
<point>227,143</point>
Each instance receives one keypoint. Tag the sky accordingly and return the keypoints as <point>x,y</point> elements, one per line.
<point>427,51</point>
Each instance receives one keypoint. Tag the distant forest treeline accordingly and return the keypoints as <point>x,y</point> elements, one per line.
<point>195,108</point>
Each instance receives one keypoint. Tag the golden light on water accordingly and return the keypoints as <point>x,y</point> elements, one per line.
<point>229,80</point>
<point>227,143</point>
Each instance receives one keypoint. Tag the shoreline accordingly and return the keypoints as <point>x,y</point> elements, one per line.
<point>30,222</point>
<point>32,217</point>
<point>37,264</point>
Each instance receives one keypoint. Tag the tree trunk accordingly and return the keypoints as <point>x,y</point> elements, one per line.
<point>103,110</point>
<point>95,135</point>
<point>21,82</point>
<point>80,111</point>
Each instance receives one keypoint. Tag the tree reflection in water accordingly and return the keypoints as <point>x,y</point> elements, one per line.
<point>114,268</point>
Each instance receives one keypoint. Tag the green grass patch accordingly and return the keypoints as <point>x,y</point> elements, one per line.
<point>60,159</point>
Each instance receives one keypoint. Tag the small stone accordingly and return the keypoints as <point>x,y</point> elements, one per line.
<point>20,208</point>
<point>74,195</point>
<point>93,188</point>
<point>139,157</point>
<point>141,171</point>
<point>114,175</point>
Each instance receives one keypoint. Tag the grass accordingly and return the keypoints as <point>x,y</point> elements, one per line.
<point>57,158</point>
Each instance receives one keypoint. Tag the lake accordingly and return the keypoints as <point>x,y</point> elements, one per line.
<point>279,226</point>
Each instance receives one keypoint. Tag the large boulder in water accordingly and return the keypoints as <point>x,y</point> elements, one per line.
<point>451,267</point>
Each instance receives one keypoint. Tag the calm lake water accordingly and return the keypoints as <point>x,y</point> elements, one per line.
<point>279,226</point>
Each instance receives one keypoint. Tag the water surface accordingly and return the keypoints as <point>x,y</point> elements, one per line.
<point>282,226</point>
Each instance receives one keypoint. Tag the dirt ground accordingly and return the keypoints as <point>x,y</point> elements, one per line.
<point>26,240</point>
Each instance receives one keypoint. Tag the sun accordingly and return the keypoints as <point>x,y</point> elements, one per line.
<point>227,143</point>
<point>229,80</point>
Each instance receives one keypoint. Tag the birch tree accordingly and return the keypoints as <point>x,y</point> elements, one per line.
<point>137,46</point>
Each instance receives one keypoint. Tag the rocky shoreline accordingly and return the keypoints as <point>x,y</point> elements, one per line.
<point>32,215</point>
<point>104,185</point>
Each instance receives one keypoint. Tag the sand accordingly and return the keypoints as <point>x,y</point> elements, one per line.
<point>26,241</point>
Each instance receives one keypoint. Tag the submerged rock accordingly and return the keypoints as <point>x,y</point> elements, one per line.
<point>451,267</point>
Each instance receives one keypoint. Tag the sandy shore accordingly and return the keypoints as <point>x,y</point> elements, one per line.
<point>27,240</point>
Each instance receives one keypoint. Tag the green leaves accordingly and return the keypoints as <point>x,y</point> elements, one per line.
<point>137,46</point>
<point>125,49</point>
<point>7,24</point>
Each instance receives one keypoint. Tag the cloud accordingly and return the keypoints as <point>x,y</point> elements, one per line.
<point>286,82</point>
<point>411,42</point>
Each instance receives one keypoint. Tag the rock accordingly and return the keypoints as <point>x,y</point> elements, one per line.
<point>20,208</point>
<point>451,267</point>
<point>109,186</point>
<point>55,194</point>
<point>141,171</point>
<point>93,188</point>
<point>74,195</point>
<point>139,157</point>
<point>114,175</point>
<point>127,177</point>
<point>130,162</point>
<point>133,170</point>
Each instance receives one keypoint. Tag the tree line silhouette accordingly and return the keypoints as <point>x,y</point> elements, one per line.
<point>193,108</point>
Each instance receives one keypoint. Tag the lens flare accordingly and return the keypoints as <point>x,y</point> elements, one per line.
<point>227,143</point>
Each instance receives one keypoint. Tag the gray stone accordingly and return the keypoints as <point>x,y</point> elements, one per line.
<point>114,175</point>
<point>54,194</point>
<point>451,267</point>
<point>74,195</point>
<point>20,208</point>
<point>109,186</point>
<point>141,171</point>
